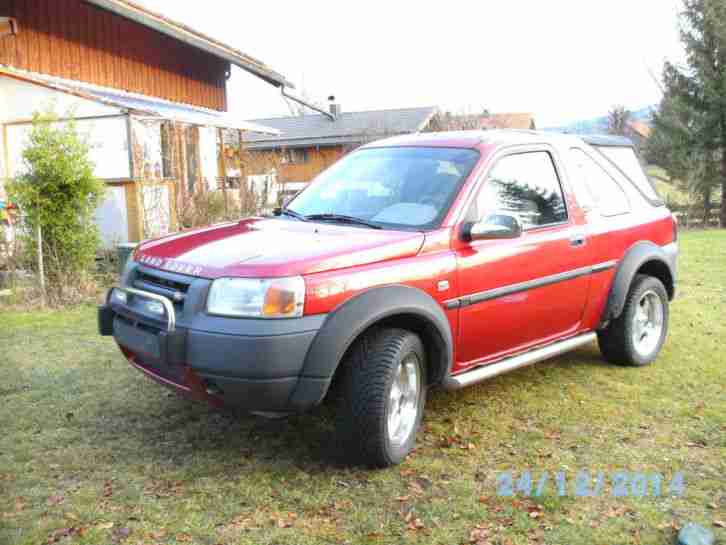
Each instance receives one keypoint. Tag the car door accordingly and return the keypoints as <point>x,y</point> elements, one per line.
<point>517,293</point>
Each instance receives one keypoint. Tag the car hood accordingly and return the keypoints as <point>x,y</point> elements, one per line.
<point>275,247</point>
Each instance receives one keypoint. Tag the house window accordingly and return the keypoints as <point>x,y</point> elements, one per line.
<point>192,152</point>
<point>167,150</point>
<point>294,156</point>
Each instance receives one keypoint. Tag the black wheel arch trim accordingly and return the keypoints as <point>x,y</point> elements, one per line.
<point>638,255</point>
<point>346,323</point>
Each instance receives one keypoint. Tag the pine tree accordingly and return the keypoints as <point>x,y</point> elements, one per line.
<point>690,129</point>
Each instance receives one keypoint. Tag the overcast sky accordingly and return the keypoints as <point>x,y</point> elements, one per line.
<point>560,59</point>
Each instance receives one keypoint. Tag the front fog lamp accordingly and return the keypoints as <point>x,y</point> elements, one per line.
<point>119,296</point>
<point>257,298</point>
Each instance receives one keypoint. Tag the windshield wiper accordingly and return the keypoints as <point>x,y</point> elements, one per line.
<point>292,214</point>
<point>344,219</point>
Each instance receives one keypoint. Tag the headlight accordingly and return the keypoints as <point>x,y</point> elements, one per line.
<point>119,296</point>
<point>257,298</point>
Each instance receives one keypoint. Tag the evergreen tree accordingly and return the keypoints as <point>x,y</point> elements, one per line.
<point>689,139</point>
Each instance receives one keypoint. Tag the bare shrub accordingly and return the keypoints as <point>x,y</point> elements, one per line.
<point>207,208</point>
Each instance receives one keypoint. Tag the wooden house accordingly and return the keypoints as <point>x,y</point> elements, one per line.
<point>520,121</point>
<point>308,144</point>
<point>149,93</point>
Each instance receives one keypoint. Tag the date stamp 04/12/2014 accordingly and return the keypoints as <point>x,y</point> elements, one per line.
<point>618,484</point>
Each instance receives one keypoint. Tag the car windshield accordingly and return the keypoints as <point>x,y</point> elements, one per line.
<point>397,187</point>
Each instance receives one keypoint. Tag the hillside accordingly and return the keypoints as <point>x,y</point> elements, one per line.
<point>600,124</point>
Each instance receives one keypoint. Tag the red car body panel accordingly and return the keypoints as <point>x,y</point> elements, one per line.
<point>339,262</point>
<point>268,248</point>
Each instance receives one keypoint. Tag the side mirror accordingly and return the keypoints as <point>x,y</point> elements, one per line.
<point>493,227</point>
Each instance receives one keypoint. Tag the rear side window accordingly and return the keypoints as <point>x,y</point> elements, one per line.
<point>595,188</point>
<point>627,161</point>
<point>525,186</point>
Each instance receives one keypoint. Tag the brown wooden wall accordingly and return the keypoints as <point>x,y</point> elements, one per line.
<point>73,40</point>
<point>318,160</point>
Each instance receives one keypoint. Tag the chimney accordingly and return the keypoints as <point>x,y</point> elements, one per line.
<point>335,110</point>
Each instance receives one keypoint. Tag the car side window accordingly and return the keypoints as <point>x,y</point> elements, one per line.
<point>627,161</point>
<point>526,186</point>
<point>595,188</point>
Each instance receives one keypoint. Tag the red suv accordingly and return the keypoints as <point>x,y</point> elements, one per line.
<point>433,259</point>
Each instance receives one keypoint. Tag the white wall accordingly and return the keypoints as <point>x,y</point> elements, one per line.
<point>112,217</point>
<point>108,137</point>
<point>21,99</point>
<point>208,152</point>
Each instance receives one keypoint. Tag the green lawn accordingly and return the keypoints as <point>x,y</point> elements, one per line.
<point>92,452</point>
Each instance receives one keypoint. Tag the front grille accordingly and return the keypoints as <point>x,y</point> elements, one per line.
<point>165,284</point>
<point>173,287</point>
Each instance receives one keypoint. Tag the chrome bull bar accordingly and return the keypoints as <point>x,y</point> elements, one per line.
<point>168,307</point>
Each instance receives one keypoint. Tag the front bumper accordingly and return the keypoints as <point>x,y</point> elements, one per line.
<point>249,364</point>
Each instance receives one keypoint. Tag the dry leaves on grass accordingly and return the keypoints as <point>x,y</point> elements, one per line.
<point>284,520</point>
<point>334,511</point>
<point>19,508</point>
<point>481,534</point>
<point>62,533</point>
<point>672,525</point>
<point>158,535</point>
<point>617,511</point>
<point>419,485</point>
<point>257,520</point>
<point>240,523</point>
<point>413,523</point>
<point>108,489</point>
<point>457,441</point>
<point>56,499</point>
<point>120,534</point>
<point>164,489</point>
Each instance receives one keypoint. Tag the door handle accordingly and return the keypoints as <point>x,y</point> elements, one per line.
<point>577,240</point>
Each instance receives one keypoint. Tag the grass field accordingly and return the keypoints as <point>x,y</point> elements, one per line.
<point>92,452</point>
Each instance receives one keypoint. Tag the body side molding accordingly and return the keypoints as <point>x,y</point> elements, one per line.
<point>487,295</point>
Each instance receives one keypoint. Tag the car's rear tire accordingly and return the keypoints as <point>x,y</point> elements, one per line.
<point>382,397</point>
<point>637,335</point>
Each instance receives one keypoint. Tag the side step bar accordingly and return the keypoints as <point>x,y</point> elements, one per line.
<point>485,372</point>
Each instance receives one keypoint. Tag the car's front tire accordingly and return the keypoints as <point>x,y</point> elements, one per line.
<point>382,397</point>
<point>637,335</point>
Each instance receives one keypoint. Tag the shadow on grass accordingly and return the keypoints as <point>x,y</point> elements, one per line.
<point>143,421</point>
<point>170,430</point>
